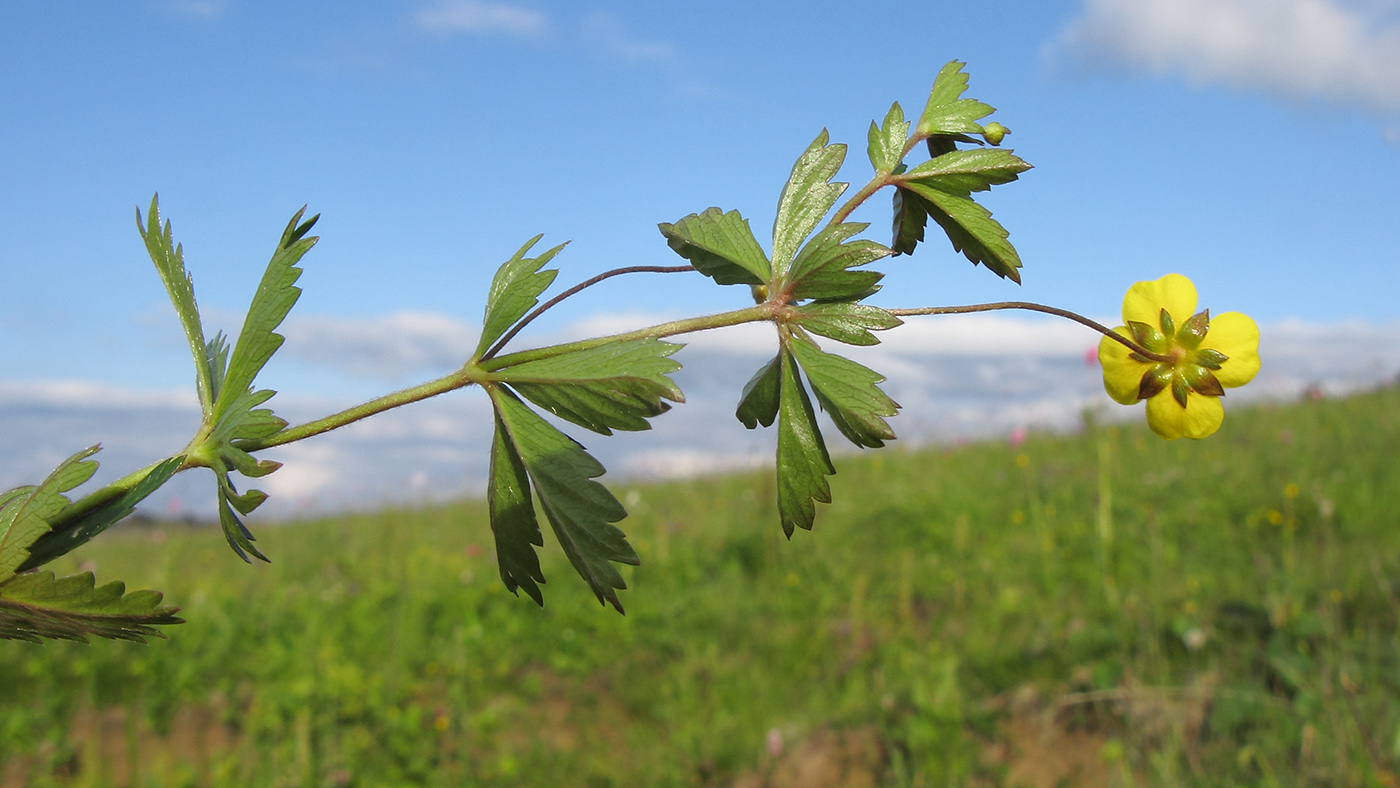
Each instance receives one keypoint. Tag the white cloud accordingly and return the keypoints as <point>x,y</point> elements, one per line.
<point>477,16</point>
<point>1344,52</point>
<point>382,348</point>
<point>606,31</point>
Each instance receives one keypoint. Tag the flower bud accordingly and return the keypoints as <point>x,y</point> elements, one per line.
<point>994,132</point>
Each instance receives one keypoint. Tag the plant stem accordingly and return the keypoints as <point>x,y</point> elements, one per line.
<point>635,269</point>
<point>880,181</point>
<point>1049,310</point>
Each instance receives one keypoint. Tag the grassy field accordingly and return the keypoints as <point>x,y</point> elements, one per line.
<point>1097,609</point>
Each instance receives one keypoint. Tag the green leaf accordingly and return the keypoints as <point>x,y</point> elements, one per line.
<point>513,519</point>
<point>946,111</point>
<point>231,504</point>
<point>69,531</point>
<point>514,291</point>
<point>36,605</point>
<point>759,402</point>
<point>847,391</point>
<point>614,386</point>
<point>845,322</point>
<point>965,171</point>
<point>971,229</point>
<point>886,142</point>
<point>803,462</point>
<point>910,216</point>
<point>821,269</point>
<point>806,198</point>
<point>720,246</point>
<point>169,260</point>
<point>276,295</point>
<point>26,513</point>
<point>580,510</point>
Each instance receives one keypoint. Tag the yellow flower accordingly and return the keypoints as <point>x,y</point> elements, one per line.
<point>1200,357</point>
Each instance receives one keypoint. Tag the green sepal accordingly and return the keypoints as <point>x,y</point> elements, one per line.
<point>1203,381</point>
<point>845,322</point>
<point>910,217</point>
<point>720,245</point>
<point>580,510</point>
<point>885,143</point>
<point>759,402</point>
<point>822,268</point>
<point>169,260</point>
<point>36,605</point>
<point>946,111</point>
<point>27,513</point>
<point>1210,358</point>
<point>1194,330</point>
<point>513,520</point>
<point>1180,388</point>
<point>515,290</point>
<point>1167,323</point>
<point>848,393</point>
<point>1154,381</point>
<point>1148,336</point>
<point>963,172</point>
<point>806,198</point>
<point>803,461</point>
<point>614,386</point>
<point>971,229</point>
<point>71,531</point>
<point>259,340</point>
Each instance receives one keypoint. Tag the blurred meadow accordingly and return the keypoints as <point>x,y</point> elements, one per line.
<point>1095,609</point>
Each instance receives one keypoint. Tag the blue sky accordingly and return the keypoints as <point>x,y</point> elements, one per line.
<point>1253,145</point>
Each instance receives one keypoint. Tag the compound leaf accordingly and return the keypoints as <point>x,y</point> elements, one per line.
<point>910,217</point>
<point>966,171</point>
<point>720,246</point>
<point>514,291</point>
<point>847,392</point>
<point>845,321</point>
<point>971,229</point>
<point>580,510</point>
<point>36,605</point>
<point>276,294</point>
<point>759,402</point>
<point>946,111</point>
<point>69,532</point>
<point>513,520</point>
<point>885,143</point>
<point>803,462</point>
<point>806,198</point>
<point>27,513</point>
<point>821,269</point>
<point>169,260</point>
<point>618,385</point>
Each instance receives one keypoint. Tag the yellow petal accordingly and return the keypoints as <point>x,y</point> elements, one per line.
<point>1200,418</point>
<point>1122,375</point>
<point>1146,300</point>
<point>1237,336</point>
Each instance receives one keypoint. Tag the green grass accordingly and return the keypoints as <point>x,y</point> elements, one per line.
<point>1149,613</point>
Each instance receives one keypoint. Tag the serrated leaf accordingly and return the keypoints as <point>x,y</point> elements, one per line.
<point>275,296</point>
<point>580,510</point>
<point>514,291</point>
<point>759,402</point>
<point>803,462</point>
<point>845,322</point>
<point>169,260</point>
<point>910,217</point>
<point>27,513</point>
<point>885,143</point>
<point>946,111</point>
<point>614,386</point>
<point>240,539</point>
<point>821,269</point>
<point>966,171</point>
<point>71,531</point>
<point>971,229</point>
<point>36,605</point>
<point>806,198</point>
<point>513,520</point>
<point>720,246</point>
<point>849,394</point>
